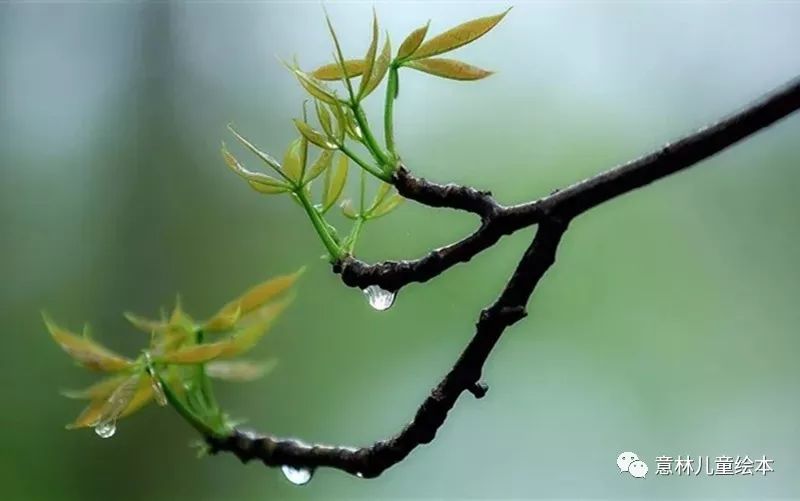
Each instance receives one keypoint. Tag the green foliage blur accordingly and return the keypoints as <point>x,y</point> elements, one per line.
<point>667,327</point>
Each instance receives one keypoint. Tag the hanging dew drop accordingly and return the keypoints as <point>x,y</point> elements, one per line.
<point>106,429</point>
<point>297,476</point>
<point>380,299</point>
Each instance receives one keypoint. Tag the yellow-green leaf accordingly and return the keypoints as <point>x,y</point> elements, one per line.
<point>335,184</point>
<point>412,42</point>
<point>380,67</point>
<point>383,191</point>
<point>239,370</point>
<point>144,393</point>
<point>320,165</point>
<point>179,319</point>
<point>324,117</point>
<point>196,354</point>
<point>351,126</point>
<point>292,160</point>
<point>267,189</point>
<point>249,336</point>
<point>225,319</point>
<point>348,210</point>
<point>260,182</point>
<point>314,87</point>
<point>126,398</point>
<point>100,389</point>
<point>250,146</point>
<point>145,324</point>
<point>119,399</point>
<point>256,297</point>
<point>313,136</point>
<point>449,68</point>
<point>333,71</point>
<point>386,206</point>
<point>369,59</point>
<point>89,416</point>
<point>341,121</point>
<point>458,36</point>
<point>86,352</point>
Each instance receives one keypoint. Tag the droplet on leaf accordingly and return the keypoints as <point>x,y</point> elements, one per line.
<point>380,299</point>
<point>106,429</point>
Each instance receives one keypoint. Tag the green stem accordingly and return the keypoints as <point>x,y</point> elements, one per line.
<point>319,225</point>
<point>190,417</point>
<point>388,114</point>
<point>205,383</point>
<point>369,137</point>
<point>364,165</point>
<point>354,233</point>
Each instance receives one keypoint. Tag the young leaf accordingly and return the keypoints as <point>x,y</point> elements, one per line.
<point>256,297</point>
<point>458,36</point>
<point>119,400</point>
<point>313,136</point>
<point>313,86</point>
<point>369,59</point>
<point>144,394</point>
<point>85,351</point>
<point>380,196</point>
<point>240,370</point>
<point>249,336</point>
<point>412,42</point>
<point>145,324</point>
<point>179,320</point>
<point>333,71</point>
<point>260,154</point>
<point>196,354</point>
<point>101,389</point>
<point>292,160</point>
<point>339,58</point>
<point>267,189</point>
<point>341,122</point>
<point>449,68</point>
<point>320,165</point>
<point>380,67</point>
<point>335,185</point>
<point>386,206</point>
<point>89,416</point>
<point>225,319</point>
<point>348,210</point>
<point>324,117</point>
<point>351,126</point>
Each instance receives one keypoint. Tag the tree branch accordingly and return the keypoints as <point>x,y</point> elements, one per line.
<point>369,462</point>
<point>552,214</point>
<point>498,220</point>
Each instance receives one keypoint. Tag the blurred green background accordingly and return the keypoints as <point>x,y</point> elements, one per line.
<point>668,325</point>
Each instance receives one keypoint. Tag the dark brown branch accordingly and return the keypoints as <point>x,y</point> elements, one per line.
<point>552,214</point>
<point>498,220</point>
<point>369,462</point>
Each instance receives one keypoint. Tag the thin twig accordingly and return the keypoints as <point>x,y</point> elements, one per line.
<point>369,462</point>
<point>498,220</point>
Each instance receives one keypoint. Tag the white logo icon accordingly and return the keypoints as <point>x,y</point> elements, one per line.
<point>637,469</point>
<point>630,462</point>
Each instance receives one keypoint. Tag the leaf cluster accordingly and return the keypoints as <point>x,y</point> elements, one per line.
<point>180,357</point>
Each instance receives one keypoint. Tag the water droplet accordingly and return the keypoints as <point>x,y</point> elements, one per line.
<point>158,391</point>
<point>380,299</point>
<point>359,474</point>
<point>297,476</point>
<point>106,429</point>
